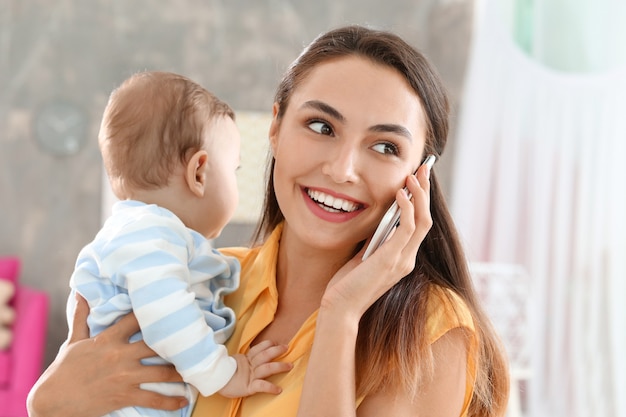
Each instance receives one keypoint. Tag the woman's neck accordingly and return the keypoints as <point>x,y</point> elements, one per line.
<point>303,270</point>
<point>302,274</point>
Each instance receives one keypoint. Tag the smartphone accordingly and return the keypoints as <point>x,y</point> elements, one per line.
<point>391,218</point>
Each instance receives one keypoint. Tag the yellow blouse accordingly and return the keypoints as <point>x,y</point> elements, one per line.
<point>255,303</point>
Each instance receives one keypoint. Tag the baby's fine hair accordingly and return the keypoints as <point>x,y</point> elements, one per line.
<point>152,122</point>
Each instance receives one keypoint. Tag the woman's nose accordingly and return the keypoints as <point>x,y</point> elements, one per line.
<point>342,164</point>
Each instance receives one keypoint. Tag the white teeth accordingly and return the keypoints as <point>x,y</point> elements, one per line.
<point>329,201</point>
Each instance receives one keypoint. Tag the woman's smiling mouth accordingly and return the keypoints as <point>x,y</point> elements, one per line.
<point>332,204</point>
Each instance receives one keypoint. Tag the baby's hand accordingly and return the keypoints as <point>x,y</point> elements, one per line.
<point>253,368</point>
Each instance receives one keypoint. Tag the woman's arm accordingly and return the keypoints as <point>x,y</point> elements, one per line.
<point>94,376</point>
<point>442,396</point>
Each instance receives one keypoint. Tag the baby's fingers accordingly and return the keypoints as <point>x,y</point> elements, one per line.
<point>261,359</point>
<point>254,350</point>
<point>265,352</point>
<point>260,385</point>
<point>271,368</point>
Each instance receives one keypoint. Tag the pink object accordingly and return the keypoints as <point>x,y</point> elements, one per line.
<point>21,364</point>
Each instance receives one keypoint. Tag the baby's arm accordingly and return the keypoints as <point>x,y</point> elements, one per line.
<point>173,323</point>
<point>192,349</point>
<point>175,326</point>
<point>253,368</point>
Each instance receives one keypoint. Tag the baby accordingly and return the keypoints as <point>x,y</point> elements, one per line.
<point>171,149</point>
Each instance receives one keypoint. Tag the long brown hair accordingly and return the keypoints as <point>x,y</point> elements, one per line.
<point>392,347</point>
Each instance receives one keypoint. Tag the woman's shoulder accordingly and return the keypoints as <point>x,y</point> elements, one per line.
<point>446,310</point>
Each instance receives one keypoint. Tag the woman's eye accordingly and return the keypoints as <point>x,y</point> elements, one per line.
<point>386,148</point>
<point>322,128</point>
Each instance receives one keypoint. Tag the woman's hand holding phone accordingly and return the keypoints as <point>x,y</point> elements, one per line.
<point>358,284</point>
<point>391,218</point>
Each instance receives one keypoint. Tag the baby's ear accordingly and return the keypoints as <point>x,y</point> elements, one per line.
<point>196,172</point>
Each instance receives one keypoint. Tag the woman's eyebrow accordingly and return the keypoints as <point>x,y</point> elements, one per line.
<point>392,128</point>
<point>325,108</point>
<point>380,128</point>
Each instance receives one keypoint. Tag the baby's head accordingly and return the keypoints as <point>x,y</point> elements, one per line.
<point>166,139</point>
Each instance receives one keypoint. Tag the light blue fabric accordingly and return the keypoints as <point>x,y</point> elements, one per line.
<point>145,260</point>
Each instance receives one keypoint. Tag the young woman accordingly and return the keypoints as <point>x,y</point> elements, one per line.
<point>400,333</point>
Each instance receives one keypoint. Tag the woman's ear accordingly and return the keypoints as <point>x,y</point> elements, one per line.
<point>274,127</point>
<point>196,172</point>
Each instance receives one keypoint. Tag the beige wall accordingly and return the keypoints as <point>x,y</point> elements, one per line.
<point>60,59</point>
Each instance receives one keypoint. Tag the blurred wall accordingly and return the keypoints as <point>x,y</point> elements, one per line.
<point>59,60</point>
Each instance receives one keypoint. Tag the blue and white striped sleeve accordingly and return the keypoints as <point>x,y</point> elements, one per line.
<point>154,267</point>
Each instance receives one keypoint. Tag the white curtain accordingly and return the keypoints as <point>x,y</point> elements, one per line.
<point>539,179</point>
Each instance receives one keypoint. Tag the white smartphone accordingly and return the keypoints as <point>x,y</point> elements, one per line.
<point>390,219</point>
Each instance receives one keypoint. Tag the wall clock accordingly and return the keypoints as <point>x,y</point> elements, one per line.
<point>60,128</point>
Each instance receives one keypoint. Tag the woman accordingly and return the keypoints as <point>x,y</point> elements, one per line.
<point>400,333</point>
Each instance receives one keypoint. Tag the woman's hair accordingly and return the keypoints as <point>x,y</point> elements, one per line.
<point>392,347</point>
<point>152,122</point>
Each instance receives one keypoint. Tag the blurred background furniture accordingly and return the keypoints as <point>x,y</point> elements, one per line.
<point>21,364</point>
<point>504,289</point>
